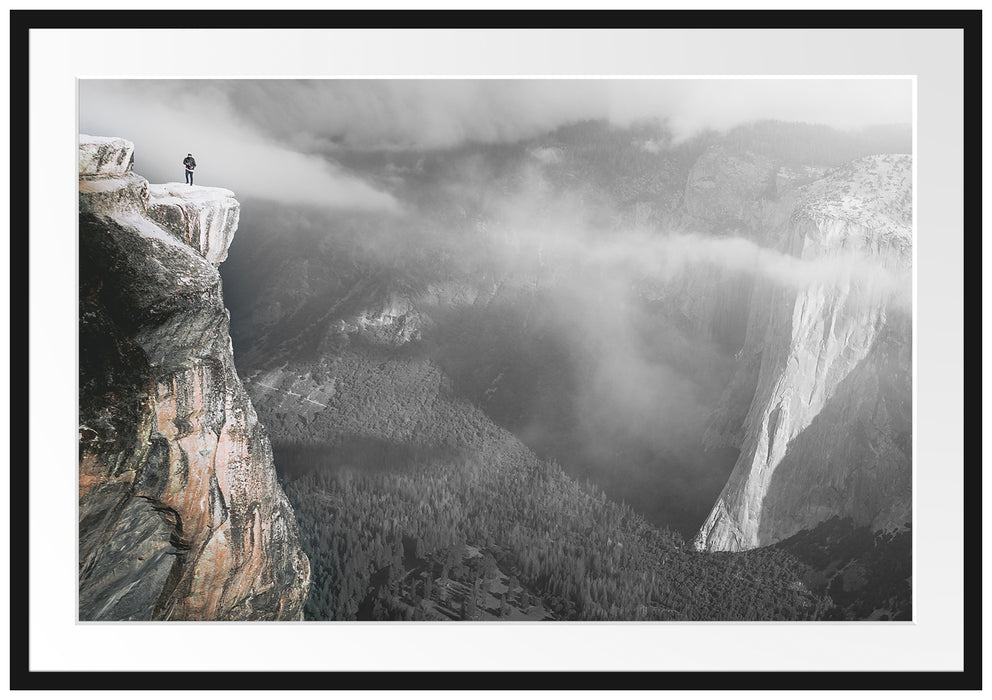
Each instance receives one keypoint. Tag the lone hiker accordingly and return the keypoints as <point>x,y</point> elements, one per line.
<point>190,165</point>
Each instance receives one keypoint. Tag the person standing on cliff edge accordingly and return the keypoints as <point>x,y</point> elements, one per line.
<point>190,165</point>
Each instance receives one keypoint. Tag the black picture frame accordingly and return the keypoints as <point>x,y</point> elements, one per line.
<point>22,678</point>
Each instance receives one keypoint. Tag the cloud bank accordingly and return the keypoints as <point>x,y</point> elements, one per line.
<point>446,113</point>
<point>323,115</point>
<point>583,344</point>
<point>165,123</point>
<point>538,226</point>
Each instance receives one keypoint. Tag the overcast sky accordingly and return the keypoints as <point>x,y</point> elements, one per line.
<point>267,138</point>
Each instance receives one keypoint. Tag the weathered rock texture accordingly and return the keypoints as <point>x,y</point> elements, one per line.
<point>180,513</point>
<point>820,406</point>
<point>731,192</point>
<point>204,217</point>
<point>101,156</point>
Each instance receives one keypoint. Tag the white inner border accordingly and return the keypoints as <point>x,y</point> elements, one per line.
<point>932,642</point>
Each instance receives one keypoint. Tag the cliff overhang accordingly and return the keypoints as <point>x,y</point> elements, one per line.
<point>180,513</point>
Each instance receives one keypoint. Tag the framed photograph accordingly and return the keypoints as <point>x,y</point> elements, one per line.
<point>627,352</point>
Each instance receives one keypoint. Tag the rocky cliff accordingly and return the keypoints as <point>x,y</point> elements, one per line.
<point>731,192</point>
<point>180,513</point>
<point>820,406</point>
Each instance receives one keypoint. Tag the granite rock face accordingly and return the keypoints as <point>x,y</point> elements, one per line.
<point>820,406</point>
<point>203,217</point>
<point>104,157</point>
<point>181,515</point>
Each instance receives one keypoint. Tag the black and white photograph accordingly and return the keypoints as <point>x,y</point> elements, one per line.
<point>502,349</point>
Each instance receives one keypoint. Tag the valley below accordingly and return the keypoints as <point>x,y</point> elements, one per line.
<point>586,376</point>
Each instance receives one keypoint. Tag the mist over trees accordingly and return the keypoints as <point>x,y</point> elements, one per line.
<point>567,349</point>
<point>532,281</point>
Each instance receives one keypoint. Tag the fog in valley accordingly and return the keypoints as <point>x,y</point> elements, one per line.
<point>552,257</point>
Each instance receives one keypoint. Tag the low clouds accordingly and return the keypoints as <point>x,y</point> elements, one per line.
<point>693,105</point>
<point>165,123</point>
<point>540,226</point>
<point>401,114</point>
<point>320,115</point>
<point>606,309</point>
<point>278,139</point>
<point>662,257</point>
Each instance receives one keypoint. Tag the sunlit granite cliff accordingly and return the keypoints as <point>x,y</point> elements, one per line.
<point>180,513</point>
<point>820,406</point>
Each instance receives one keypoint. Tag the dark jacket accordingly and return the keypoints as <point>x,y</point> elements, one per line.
<point>189,162</point>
